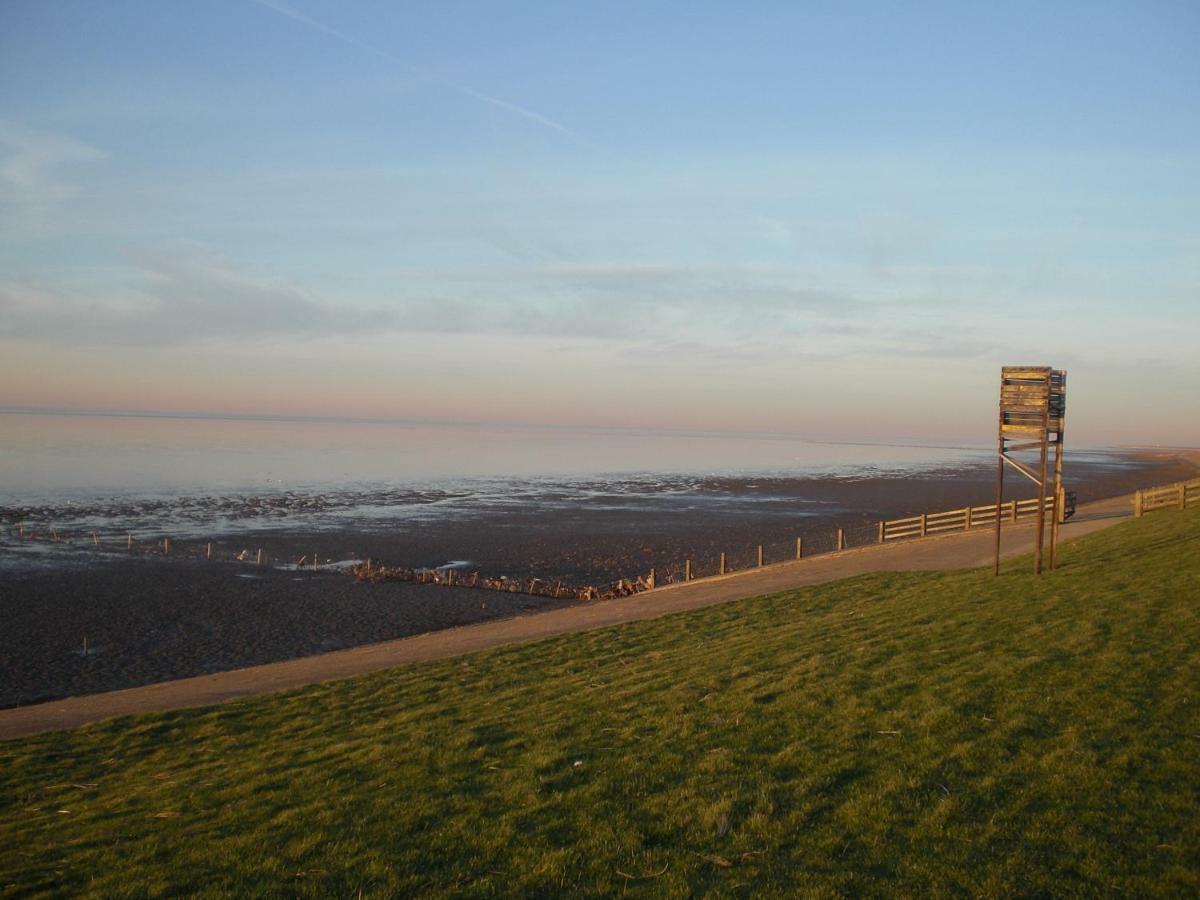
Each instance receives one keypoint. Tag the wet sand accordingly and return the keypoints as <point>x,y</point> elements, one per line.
<point>149,619</point>
<point>952,551</point>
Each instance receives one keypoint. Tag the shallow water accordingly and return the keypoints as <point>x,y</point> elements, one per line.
<point>197,478</point>
<point>75,456</point>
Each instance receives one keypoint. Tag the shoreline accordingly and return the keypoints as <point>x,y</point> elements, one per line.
<point>148,619</point>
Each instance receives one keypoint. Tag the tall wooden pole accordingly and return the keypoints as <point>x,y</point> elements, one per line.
<point>1041,510</point>
<point>999,474</point>
<point>1059,496</point>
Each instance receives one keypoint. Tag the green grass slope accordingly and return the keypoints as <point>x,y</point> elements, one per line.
<point>918,734</point>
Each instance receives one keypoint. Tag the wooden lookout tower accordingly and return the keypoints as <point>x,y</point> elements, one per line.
<point>1033,407</point>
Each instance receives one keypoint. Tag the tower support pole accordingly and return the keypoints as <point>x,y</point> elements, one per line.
<point>1041,509</point>
<point>1059,494</point>
<point>999,495</point>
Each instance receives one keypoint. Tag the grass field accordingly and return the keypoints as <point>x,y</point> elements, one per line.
<point>916,734</point>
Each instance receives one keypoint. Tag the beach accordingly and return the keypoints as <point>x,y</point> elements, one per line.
<point>147,617</point>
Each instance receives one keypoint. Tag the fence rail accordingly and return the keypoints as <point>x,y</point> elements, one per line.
<point>963,519</point>
<point>1172,496</point>
<point>1180,495</point>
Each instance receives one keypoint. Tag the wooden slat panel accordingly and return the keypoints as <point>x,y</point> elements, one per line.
<point>959,514</point>
<point>1033,372</point>
<point>1160,501</point>
<point>949,526</point>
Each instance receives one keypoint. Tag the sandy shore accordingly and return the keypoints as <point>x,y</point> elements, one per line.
<point>148,619</point>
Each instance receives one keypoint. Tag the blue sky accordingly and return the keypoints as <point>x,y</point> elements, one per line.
<point>834,219</point>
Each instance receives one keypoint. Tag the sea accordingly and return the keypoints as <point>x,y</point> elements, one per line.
<point>193,476</point>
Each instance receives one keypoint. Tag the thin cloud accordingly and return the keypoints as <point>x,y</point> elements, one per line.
<point>515,108</point>
<point>31,163</point>
<point>183,293</point>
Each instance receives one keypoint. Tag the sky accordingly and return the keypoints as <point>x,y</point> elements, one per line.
<point>830,219</point>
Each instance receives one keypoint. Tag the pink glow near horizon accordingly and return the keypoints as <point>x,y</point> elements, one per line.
<point>855,401</point>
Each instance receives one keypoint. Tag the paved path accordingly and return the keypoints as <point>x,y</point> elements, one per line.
<point>957,551</point>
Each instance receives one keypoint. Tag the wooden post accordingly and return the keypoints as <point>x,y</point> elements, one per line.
<point>841,539</point>
<point>760,556</point>
<point>967,520</point>
<point>1060,497</point>
<point>1182,496</point>
<point>650,580</point>
<point>799,548</point>
<point>208,551</point>
<point>258,560</point>
<point>166,546</point>
<point>129,542</point>
<point>368,567</point>
<point>722,571</point>
<point>924,517</point>
<point>1000,479</point>
<point>881,532</point>
<point>1137,505</point>
<point>687,570</point>
<point>1055,520</point>
<point>317,562</point>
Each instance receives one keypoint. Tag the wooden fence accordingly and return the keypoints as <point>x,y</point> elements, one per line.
<point>1180,496</point>
<point>1172,496</point>
<point>960,519</point>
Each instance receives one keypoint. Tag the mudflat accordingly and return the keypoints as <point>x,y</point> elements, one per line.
<point>148,619</point>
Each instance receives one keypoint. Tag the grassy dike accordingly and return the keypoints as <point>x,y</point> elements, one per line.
<point>917,734</point>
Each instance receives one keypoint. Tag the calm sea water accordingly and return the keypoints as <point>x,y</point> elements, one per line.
<point>207,478</point>
<point>47,458</point>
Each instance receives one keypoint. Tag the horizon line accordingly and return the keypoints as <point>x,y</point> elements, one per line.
<point>531,426</point>
<point>474,424</point>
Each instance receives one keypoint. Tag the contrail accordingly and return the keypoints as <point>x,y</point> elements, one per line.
<point>285,10</point>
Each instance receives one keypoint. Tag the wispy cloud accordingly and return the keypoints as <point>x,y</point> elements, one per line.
<point>183,293</point>
<point>31,164</point>
<point>177,294</point>
<point>352,41</point>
